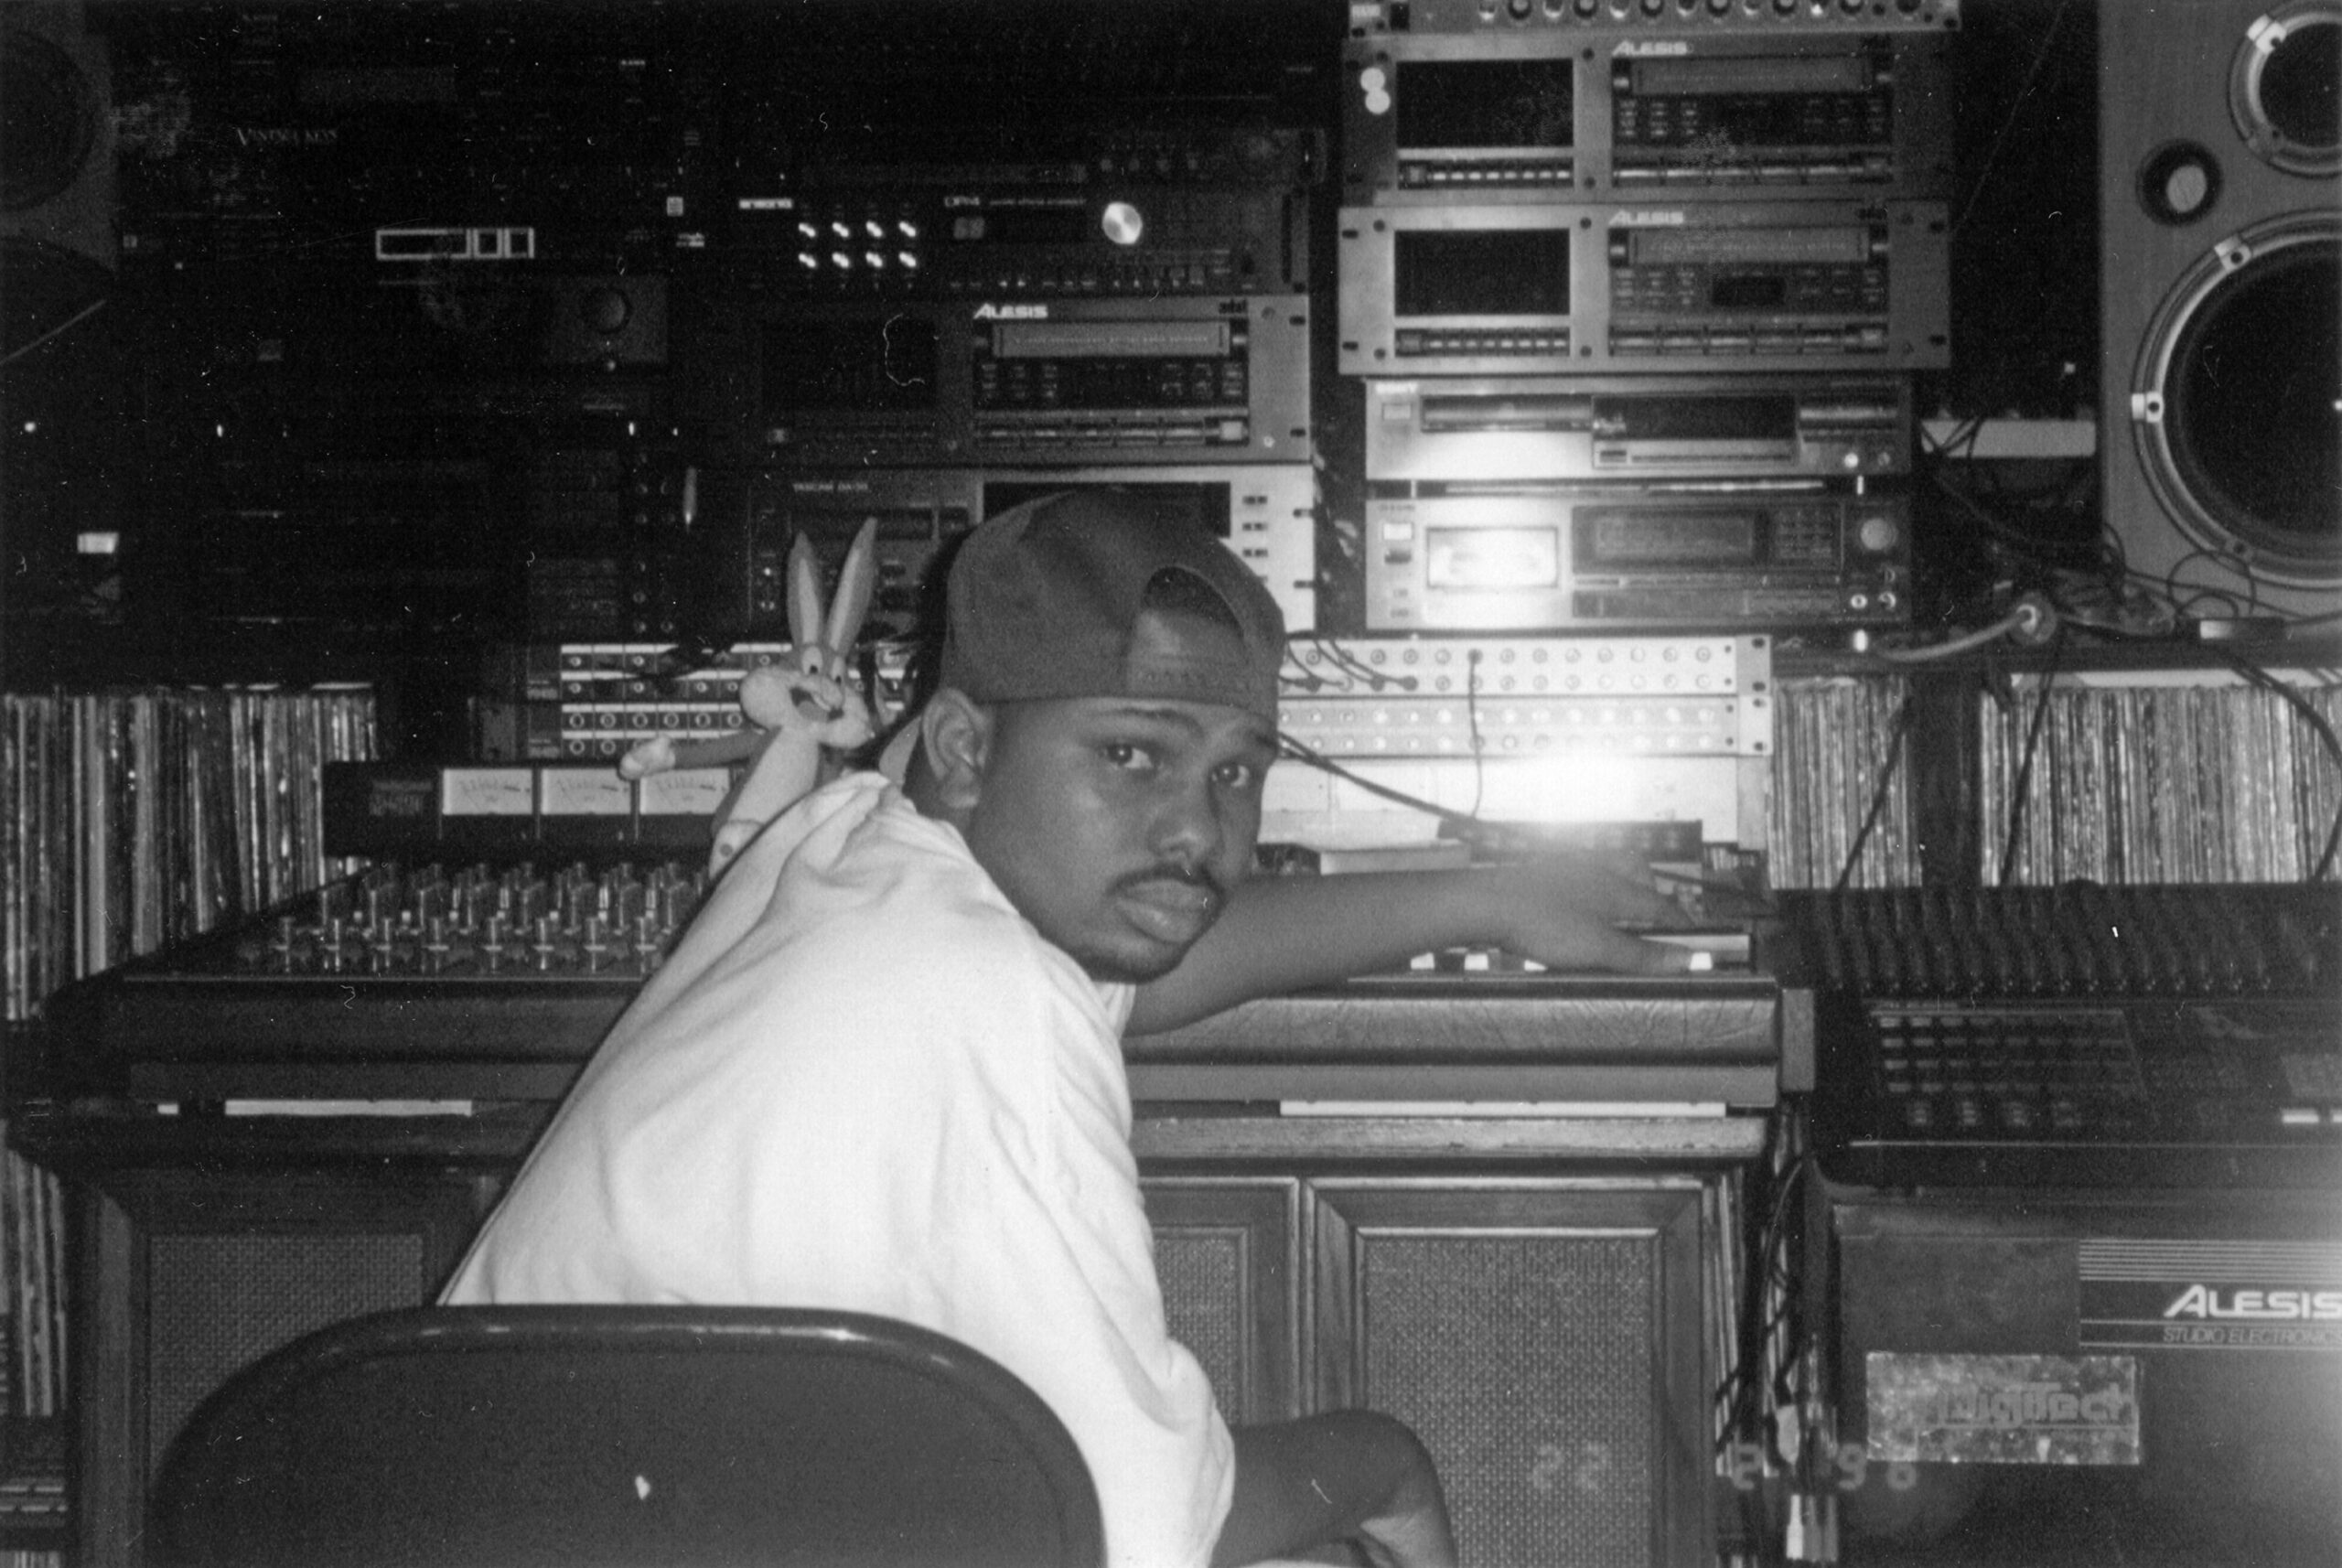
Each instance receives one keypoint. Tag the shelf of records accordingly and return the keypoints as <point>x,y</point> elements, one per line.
<point>2106,776</point>
<point>129,819</point>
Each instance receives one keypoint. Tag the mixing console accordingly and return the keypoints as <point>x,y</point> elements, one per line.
<point>2080,1036</point>
<point>494,982</point>
<point>2076,939</point>
<point>477,920</point>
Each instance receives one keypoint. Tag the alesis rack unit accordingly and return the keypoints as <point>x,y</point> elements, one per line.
<point>1490,288</point>
<point>1155,378</point>
<point>1701,115</point>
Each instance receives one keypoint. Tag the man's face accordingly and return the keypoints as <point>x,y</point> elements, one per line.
<point>1118,826</point>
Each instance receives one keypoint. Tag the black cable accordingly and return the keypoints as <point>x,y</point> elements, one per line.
<point>1342,659</point>
<point>1302,674</point>
<point>1957,445</point>
<point>2259,679</point>
<point>1468,829</point>
<point>2000,139</point>
<point>51,334</point>
<point>2197,595</point>
<point>2262,679</point>
<point>1742,1385</point>
<point>1894,742</point>
<point>2323,865</point>
<point>2025,764</point>
<point>2007,535</point>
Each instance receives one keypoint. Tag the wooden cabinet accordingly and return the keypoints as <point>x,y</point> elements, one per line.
<point>1526,1295</point>
<point>1541,1333</point>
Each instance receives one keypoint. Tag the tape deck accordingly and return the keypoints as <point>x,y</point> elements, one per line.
<point>1552,559</point>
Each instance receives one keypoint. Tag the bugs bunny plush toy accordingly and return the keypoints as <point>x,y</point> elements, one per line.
<point>800,708</point>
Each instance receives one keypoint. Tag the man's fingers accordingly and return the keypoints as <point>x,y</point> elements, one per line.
<point>1634,955</point>
<point>1667,958</point>
<point>1612,952</point>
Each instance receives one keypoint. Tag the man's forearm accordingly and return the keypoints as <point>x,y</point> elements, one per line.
<point>1286,933</point>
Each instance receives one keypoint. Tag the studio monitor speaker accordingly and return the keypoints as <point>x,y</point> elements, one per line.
<point>2220,140</point>
<point>57,174</point>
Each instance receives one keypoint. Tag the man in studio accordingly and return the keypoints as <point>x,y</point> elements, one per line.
<point>882,1071</point>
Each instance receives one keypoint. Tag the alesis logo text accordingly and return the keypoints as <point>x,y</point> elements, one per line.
<point>1012,313</point>
<point>2260,1306</point>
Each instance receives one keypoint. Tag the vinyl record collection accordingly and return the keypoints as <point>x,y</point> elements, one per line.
<point>2222,782</point>
<point>1834,737</point>
<point>132,819</point>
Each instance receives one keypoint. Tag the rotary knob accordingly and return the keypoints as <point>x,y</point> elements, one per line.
<point>1122,223</point>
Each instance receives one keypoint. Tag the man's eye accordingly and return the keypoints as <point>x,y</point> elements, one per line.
<point>1122,754</point>
<point>1240,776</point>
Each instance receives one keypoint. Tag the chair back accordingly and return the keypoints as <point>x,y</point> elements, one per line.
<point>578,1437</point>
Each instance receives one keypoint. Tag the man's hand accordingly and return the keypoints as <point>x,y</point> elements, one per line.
<point>1350,1477</point>
<point>1564,911</point>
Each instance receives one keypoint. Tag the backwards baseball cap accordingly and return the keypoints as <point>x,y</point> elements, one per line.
<point>1050,599</point>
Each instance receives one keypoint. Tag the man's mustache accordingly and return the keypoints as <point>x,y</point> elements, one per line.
<point>1185,875</point>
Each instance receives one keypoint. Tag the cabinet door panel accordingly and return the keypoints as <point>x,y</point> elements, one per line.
<point>1226,1250</point>
<point>184,1282</point>
<point>1543,1339</point>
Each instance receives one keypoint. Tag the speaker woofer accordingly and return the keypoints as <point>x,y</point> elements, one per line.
<point>51,117</point>
<point>2283,87</point>
<point>2236,399</point>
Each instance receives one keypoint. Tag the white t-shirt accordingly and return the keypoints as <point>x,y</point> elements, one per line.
<point>863,1082</point>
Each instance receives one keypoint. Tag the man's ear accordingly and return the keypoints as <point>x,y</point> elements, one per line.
<point>955,737</point>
